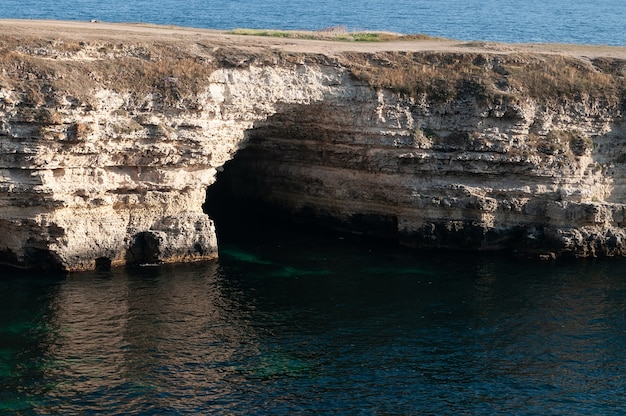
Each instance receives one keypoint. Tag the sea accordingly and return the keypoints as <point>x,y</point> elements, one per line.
<point>601,22</point>
<point>295,321</point>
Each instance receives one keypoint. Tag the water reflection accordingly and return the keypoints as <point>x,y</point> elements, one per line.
<point>142,340</point>
<point>318,328</point>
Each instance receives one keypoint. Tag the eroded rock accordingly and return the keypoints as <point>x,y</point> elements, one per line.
<point>97,174</point>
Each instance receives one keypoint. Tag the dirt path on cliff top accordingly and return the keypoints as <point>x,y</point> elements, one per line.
<point>79,30</point>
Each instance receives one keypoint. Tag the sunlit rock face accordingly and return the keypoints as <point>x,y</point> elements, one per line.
<point>542,181</point>
<point>123,180</point>
<point>120,177</point>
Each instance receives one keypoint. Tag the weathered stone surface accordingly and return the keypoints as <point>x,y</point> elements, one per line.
<point>453,177</point>
<point>120,177</point>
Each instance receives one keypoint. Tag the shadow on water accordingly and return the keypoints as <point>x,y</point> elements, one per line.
<point>293,321</point>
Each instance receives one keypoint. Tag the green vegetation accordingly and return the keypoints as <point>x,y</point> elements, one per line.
<point>429,133</point>
<point>333,33</point>
<point>579,144</point>
<point>273,33</point>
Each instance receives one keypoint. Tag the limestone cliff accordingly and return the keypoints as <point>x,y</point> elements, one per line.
<point>107,148</point>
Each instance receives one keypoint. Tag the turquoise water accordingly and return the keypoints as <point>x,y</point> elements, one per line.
<point>579,21</point>
<point>303,324</point>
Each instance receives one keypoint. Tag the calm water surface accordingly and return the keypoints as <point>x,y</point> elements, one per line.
<point>566,21</point>
<point>308,325</point>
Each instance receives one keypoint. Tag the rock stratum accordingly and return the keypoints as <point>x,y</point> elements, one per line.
<point>109,139</point>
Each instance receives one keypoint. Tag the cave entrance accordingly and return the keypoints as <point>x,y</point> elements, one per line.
<point>249,202</point>
<point>239,211</point>
<point>241,201</point>
<point>145,249</point>
<point>291,177</point>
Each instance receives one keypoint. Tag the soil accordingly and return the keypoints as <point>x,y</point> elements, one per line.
<point>86,30</point>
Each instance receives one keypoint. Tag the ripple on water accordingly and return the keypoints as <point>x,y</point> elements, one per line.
<point>318,327</point>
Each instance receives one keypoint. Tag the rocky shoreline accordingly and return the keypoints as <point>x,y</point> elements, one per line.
<point>111,134</point>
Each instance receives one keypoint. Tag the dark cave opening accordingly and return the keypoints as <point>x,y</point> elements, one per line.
<point>242,203</point>
<point>280,182</point>
<point>145,249</point>
<point>239,212</point>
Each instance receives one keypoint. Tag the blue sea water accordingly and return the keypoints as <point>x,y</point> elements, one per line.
<point>564,21</point>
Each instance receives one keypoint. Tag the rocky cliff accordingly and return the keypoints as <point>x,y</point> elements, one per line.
<point>107,147</point>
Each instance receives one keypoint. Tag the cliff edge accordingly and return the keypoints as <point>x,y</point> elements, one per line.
<point>111,134</point>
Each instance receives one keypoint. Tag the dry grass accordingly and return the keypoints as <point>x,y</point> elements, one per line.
<point>444,77</point>
<point>168,76</point>
<point>47,71</point>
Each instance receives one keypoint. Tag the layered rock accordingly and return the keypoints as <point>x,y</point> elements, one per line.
<point>449,176</point>
<point>122,178</point>
<point>96,172</point>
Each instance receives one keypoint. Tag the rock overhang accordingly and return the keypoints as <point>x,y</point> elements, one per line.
<point>118,175</point>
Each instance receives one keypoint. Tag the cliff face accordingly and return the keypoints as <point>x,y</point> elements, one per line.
<point>106,151</point>
<point>521,176</point>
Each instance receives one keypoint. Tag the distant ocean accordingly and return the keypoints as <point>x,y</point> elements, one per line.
<point>564,21</point>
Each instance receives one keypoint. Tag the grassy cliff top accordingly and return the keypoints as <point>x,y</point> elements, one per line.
<point>47,59</point>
